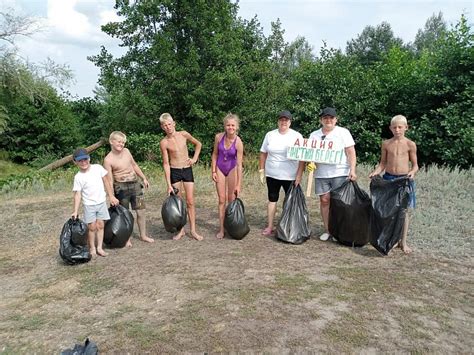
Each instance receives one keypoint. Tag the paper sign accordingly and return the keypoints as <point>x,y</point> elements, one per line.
<point>324,151</point>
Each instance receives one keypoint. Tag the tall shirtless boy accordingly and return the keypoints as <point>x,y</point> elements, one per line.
<point>123,174</point>
<point>397,154</point>
<point>178,166</point>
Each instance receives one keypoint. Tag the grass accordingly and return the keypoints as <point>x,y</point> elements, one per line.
<point>256,295</point>
<point>8,169</point>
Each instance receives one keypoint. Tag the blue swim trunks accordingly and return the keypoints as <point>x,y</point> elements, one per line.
<point>411,186</point>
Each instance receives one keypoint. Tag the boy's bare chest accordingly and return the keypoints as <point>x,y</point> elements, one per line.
<point>398,149</point>
<point>176,144</point>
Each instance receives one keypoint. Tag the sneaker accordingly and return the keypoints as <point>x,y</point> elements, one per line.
<point>325,236</point>
<point>267,232</point>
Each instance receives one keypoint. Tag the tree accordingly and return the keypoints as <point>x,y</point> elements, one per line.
<point>35,123</point>
<point>373,43</point>
<point>445,132</point>
<point>435,28</point>
<point>196,60</point>
<point>14,72</point>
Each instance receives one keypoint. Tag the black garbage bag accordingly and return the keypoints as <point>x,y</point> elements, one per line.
<point>293,226</point>
<point>119,227</point>
<point>173,213</point>
<point>389,207</point>
<point>79,232</point>
<point>70,252</point>
<point>235,222</point>
<point>89,348</point>
<point>349,214</point>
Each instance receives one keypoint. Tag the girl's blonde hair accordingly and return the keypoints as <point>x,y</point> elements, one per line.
<point>399,119</point>
<point>232,116</point>
<point>117,134</point>
<point>165,117</point>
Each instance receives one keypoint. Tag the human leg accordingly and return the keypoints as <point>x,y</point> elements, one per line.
<point>221,196</point>
<point>403,243</point>
<point>271,211</point>
<point>100,237</point>
<point>179,186</point>
<point>273,186</point>
<point>141,222</point>
<point>324,201</point>
<point>92,229</point>
<point>189,189</point>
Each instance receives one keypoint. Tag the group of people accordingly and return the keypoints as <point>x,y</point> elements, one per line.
<point>123,181</point>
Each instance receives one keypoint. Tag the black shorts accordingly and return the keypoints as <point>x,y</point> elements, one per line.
<point>274,186</point>
<point>181,174</point>
<point>130,193</point>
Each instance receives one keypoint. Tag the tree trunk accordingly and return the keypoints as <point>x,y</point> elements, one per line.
<point>68,158</point>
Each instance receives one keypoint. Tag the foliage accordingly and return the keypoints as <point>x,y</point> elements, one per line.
<point>44,127</point>
<point>37,180</point>
<point>199,61</point>
<point>426,38</point>
<point>445,133</point>
<point>35,124</point>
<point>145,146</point>
<point>372,44</point>
<point>88,112</point>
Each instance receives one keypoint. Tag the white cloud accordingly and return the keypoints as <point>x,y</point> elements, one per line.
<point>64,18</point>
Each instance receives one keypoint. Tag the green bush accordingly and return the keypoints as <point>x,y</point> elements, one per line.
<point>145,147</point>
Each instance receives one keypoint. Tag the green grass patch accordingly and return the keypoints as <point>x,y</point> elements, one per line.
<point>8,168</point>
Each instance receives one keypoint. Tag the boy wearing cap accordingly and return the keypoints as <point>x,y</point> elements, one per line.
<point>398,153</point>
<point>89,185</point>
<point>331,176</point>
<point>123,176</point>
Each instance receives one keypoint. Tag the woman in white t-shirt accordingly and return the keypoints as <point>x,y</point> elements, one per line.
<point>330,176</point>
<point>275,169</point>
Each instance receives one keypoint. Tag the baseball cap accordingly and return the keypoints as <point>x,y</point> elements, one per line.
<point>286,114</point>
<point>328,111</point>
<point>80,154</point>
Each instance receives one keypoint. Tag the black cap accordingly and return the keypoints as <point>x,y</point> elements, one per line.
<point>286,114</point>
<point>80,154</point>
<point>328,111</point>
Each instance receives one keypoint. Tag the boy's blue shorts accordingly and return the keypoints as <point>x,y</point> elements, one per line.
<point>411,186</point>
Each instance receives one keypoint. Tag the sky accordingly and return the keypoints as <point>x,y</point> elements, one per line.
<point>71,28</point>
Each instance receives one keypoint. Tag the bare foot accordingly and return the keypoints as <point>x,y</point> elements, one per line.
<point>406,249</point>
<point>220,235</point>
<point>101,252</point>
<point>128,244</point>
<point>147,239</point>
<point>93,253</point>
<point>196,236</point>
<point>179,235</point>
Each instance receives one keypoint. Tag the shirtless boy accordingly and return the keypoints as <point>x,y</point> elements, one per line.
<point>178,166</point>
<point>123,175</point>
<point>397,154</point>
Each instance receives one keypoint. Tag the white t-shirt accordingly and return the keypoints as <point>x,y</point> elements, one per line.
<point>275,144</point>
<point>91,185</point>
<point>342,137</point>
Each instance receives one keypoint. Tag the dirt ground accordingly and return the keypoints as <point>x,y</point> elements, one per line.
<point>255,295</point>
